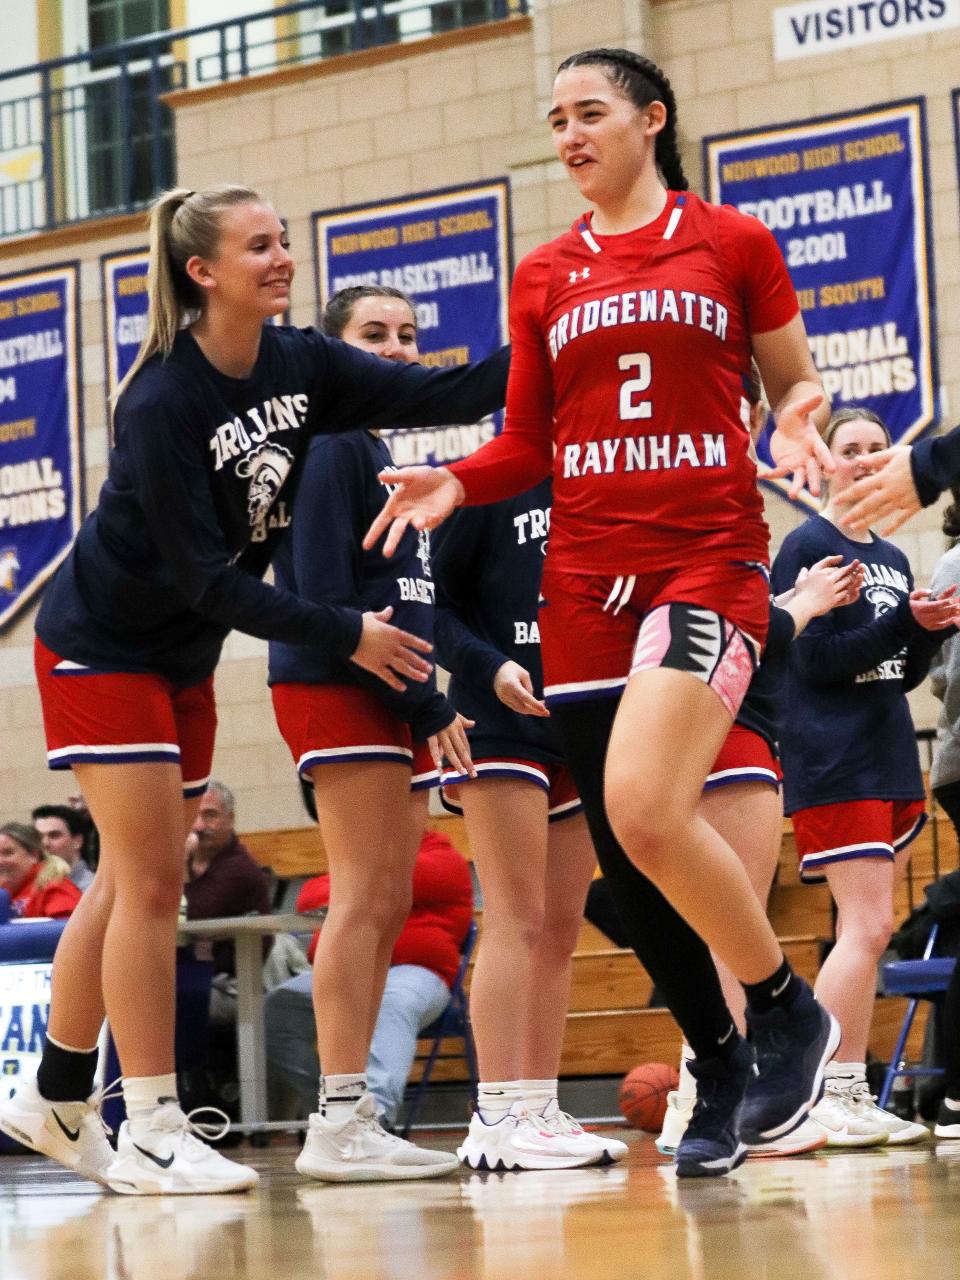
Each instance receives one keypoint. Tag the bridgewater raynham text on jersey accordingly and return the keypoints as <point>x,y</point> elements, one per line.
<point>639,306</point>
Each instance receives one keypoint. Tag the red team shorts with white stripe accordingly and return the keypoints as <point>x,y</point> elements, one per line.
<point>93,716</point>
<point>598,630</point>
<point>852,829</point>
<point>744,757</point>
<point>562,798</point>
<point>344,724</point>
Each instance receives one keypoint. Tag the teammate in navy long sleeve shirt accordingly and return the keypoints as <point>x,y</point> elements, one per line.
<point>211,427</point>
<point>363,747</point>
<point>851,770</point>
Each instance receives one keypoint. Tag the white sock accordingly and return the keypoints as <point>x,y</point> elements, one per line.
<point>854,1072</point>
<point>496,1097</point>
<point>339,1095</point>
<point>687,1088</point>
<point>538,1094</point>
<point>952,1104</point>
<point>144,1095</point>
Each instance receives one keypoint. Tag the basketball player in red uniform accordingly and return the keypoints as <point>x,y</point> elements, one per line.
<point>632,335</point>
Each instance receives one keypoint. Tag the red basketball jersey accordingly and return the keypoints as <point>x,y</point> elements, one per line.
<point>628,378</point>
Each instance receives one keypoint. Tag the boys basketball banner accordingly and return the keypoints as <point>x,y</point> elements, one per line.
<point>846,199</point>
<point>124,278</point>
<point>450,251</point>
<point>40,473</point>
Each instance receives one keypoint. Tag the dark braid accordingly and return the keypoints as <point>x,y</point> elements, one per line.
<point>339,309</point>
<point>642,82</point>
<point>951,517</point>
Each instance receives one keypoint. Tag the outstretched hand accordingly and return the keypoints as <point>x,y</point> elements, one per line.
<point>887,494</point>
<point>798,449</point>
<point>391,653</point>
<point>933,613</point>
<point>514,688</point>
<point>422,496</point>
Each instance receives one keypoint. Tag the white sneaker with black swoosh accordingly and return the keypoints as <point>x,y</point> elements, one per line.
<point>72,1133</point>
<point>163,1156</point>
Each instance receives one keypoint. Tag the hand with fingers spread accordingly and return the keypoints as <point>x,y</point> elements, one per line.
<point>797,447</point>
<point>390,653</point>
<point>887,494</point>
<point>514,688</point>
<point>934,613</point>
<point>421,496</point>
<point>451,744</point>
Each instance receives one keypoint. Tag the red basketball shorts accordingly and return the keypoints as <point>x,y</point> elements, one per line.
<point>344,724</point>
<point>744,757</point>
<point>562,798</point>
<point>596,631</point>
<point>93,716</point>
<point>854,829</point>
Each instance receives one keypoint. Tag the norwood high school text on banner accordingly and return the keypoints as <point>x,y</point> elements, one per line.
<point>846,198</point>
<point>449,250</point>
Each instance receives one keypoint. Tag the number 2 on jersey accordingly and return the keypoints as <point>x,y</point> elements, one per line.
<point>629,407</point>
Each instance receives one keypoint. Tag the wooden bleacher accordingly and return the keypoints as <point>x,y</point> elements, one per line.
<point>609,1027</point>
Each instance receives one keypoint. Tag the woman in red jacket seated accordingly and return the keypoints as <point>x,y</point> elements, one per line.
<point>38,885</point>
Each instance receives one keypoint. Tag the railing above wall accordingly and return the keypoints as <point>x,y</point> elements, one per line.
<point>89,136</point>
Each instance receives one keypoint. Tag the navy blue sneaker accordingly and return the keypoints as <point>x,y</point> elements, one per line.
<point>793,1046</point>
<point>711,1145</point>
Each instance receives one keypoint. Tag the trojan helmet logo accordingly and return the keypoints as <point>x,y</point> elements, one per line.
<point>9,568</point>
<point>266,468</point>
<point>882,599</point>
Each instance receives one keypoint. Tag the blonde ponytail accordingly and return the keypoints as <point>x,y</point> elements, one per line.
<point>183,224</point>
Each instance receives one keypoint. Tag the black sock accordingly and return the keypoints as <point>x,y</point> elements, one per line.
<point>676,958</point>
<point>66,1075</point>
<point>777,991</point>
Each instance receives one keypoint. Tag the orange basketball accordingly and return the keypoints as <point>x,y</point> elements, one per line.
<point>643,1095</point>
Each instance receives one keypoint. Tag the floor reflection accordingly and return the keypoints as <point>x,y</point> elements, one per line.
<point>842,1216</point>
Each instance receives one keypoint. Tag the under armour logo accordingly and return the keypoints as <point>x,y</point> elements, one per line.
<point>579,275</point>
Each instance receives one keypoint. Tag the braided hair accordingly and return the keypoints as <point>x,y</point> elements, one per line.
<point>642,82</point>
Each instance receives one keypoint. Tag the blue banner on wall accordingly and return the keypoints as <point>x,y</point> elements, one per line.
<point>450,251</point>
<point>125,301</point>
<point>124,277</point>
<point>846,199</point>
<point>41,492</point>
<point>24,1013</point>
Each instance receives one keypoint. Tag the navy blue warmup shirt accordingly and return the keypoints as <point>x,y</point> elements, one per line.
<point>847,732</point>
<point>487,564</point>
<point>200,485</point>
<point>320,559</point>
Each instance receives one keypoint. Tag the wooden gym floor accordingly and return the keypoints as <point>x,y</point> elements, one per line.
<point>857,1216</point>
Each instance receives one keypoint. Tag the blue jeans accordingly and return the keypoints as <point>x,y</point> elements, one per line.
<point>412,999</point>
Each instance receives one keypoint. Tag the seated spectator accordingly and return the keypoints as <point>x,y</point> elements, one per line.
<point>38,885</point>
<point>63,831</point>
<point>222,879</point>
<point>91,836</point>
<point>423,967</point>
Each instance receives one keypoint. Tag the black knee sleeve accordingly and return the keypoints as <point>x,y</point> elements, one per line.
<point>676,958</point>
